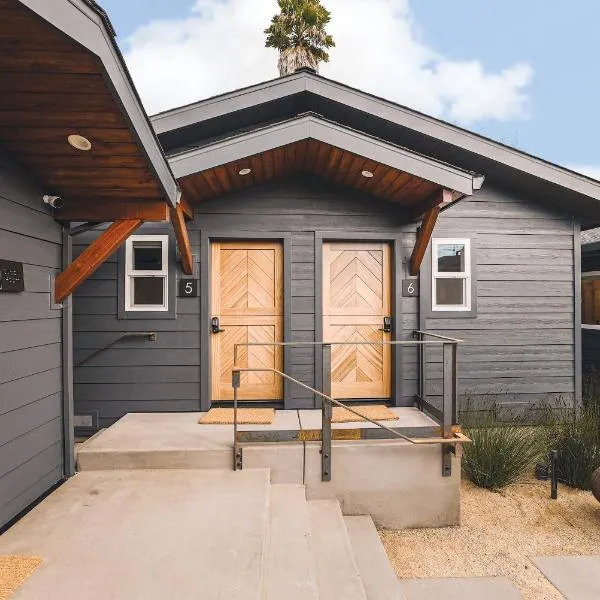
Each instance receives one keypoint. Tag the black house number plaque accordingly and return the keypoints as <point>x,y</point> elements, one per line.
<point>188,288</point>
<point>410,288</point>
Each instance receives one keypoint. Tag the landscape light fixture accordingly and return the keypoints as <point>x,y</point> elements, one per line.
<point>79,142</point>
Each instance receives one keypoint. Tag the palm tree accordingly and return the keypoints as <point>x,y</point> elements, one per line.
<point>298,32</point>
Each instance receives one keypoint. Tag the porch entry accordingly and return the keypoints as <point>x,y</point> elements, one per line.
<point>357,307</point>
<point>247,307</point>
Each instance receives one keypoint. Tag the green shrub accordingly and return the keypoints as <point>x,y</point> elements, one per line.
<point>500,453</point>
<point>576,436</point>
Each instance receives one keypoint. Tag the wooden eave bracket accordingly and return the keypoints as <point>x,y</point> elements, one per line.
<point>92,257</point>
<point>431,208</point>
<point>183,238</point>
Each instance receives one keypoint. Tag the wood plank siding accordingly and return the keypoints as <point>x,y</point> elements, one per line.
<point>30,348</point>
<point>519,347</point>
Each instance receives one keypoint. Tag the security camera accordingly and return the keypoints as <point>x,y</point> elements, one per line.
<point>56,202</point>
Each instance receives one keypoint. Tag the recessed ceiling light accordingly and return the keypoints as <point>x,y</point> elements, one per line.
<point>245,171</point>
<point>79,142</point>
<point>367,174</point>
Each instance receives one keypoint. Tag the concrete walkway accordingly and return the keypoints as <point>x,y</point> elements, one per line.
<point>474,588</point>
<point>147,535</point>
<point>576,577</point>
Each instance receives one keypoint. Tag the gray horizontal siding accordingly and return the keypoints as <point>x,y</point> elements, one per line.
<point>138,375</point>
<point>30,347</point>
<point>520,345</point>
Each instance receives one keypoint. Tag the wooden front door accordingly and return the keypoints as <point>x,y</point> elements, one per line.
<point>356,298</point>
<point>247,298</point>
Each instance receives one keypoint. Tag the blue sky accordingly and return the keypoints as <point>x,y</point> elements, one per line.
<point>520,71</point>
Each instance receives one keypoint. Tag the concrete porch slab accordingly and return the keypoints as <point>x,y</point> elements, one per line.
<point>576,577</point>
<point>476,588</point>
<point>399,484</point>
<point>146,534</point>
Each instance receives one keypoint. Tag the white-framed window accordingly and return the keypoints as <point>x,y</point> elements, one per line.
<point>147,273</point>
<point>451,274</point>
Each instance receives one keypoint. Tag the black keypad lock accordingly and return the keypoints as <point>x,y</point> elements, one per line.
<point>11,277</point>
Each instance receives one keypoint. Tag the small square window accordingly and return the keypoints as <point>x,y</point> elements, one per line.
<point>147,256</point>
<point>450,292</point>
<point>451,275</point>
<point>146,273</point>
<point>148,291</point>
<point>451,258</point>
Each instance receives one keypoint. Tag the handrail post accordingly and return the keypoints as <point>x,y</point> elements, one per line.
<point>448,403</point>
<point>454,383</point>
<point>237,451</point>
<point>326,411</point>
<point>421,366</point>
<point>447,390</point>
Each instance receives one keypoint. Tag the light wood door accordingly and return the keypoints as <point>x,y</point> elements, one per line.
<point>247,297</point>
<point>356,298</point>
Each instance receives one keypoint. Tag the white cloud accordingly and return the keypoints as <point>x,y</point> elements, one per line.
<point>219,47</point>
<point>592,171</point>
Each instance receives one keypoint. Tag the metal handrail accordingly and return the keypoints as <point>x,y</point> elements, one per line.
<point>443,340</point>
<point>448,415</point>
<point>151,335</point>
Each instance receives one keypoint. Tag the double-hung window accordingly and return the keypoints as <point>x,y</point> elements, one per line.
<point>147,273</point>
<point>451,275</point>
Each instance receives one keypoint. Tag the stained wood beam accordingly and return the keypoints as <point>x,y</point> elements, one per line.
<point>92,257</point>
<point>423,238</point>
<point>111,210</point>
<point>183,239</point>
<point>438,198</point>
<point>188,211</point>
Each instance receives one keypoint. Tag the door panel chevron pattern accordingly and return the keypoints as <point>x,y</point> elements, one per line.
<point>356,298</point>
<point>247,296</point>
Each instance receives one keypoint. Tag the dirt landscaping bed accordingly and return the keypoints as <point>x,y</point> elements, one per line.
<point>500,535</point>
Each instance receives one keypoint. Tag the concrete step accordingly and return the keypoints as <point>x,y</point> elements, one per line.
<point>378,576</point>
<point>151,535</point>
<point>289,571</point>
<point>337,572</point>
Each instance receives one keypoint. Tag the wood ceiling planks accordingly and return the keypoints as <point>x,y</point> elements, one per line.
<point>52,88</point>
<point>309,156</point>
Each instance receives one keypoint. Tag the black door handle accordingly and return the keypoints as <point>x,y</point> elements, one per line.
<point>387,325</point>
<point>215,325</point>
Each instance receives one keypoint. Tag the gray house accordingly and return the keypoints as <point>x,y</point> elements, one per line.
<point>319,212</point>
<point>297,210</point>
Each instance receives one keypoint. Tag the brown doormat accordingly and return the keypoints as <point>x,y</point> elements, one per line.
<point>377,412</point>
<point>14,571</point>
<point>245,416</point>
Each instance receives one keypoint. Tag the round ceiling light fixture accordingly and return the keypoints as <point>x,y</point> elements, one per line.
<point>245,171</point>
<point>79,142</point>
<point>367,174</point>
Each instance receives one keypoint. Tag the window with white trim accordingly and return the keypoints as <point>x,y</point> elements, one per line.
<point>147,273</point>
<point>451,275</point>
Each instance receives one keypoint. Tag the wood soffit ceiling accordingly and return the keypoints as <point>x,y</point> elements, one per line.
<point>51,88</point>
<point>309,156</point>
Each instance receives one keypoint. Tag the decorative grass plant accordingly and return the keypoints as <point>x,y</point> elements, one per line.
<point>576,436</point>
<point>501,453</point>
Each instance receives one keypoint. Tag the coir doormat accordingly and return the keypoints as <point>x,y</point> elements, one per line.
<point>377,412</point>
<point>245,416</point>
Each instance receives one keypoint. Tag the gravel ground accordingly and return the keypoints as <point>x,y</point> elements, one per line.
<point>500,534</point>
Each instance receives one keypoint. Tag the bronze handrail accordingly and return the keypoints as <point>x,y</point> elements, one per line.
<point>448,415</point>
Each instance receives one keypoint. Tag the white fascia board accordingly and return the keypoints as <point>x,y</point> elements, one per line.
<point>311,127</point>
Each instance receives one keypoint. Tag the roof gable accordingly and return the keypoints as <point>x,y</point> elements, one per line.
<point>304,91</point>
